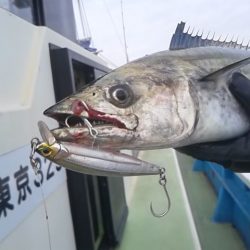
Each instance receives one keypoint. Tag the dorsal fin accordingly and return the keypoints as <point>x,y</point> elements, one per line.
<point>228,68</point>
<point>184,40</point>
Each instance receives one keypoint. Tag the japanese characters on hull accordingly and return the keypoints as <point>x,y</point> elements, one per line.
<point>5,196</point>
<point>20,187</point>
<point>23,185</point>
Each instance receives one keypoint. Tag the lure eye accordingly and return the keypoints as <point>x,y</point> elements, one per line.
<point>121,95</point>
<point>45,150</point>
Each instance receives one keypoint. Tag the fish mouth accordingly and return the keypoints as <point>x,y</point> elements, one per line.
<point>79,112</point>
<point>73,121</point>
<point>86,124</point>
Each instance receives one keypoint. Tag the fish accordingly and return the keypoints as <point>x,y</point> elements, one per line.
<point>91,161</point>
<point>168,99</point>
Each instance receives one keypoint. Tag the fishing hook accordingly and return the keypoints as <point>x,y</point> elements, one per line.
<point>93,132</point>
<point>66,121</point>
<point>162,182</point>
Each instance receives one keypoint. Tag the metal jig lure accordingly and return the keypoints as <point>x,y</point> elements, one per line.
<point>93,161</point>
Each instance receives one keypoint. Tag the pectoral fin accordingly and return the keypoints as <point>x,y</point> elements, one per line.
<point>229,68</point>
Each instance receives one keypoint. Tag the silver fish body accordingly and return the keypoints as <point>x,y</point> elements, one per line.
<point>168,99</point>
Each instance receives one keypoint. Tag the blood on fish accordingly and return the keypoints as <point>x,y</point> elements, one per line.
<point>78,107</point>
<point>78,134</point>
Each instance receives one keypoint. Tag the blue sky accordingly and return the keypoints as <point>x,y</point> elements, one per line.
<point>150,24</point>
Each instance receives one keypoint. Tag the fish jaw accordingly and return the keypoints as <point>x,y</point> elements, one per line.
<point>107,137</point>
<point>113,130</point>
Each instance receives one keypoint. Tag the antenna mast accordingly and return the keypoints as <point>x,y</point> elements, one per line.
<point>124,34</point>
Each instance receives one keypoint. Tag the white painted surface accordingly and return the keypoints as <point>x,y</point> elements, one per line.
<point>26,90</point>
<point>20,188</point>
<point>26,86</point>
<point>32,233</point>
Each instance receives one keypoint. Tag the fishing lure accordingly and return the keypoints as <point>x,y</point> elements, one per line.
<point>93,161</point>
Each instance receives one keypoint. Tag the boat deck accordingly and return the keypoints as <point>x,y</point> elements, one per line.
<point>188,225</point>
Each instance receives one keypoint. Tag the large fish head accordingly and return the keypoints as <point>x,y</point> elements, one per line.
<point>136,106</point>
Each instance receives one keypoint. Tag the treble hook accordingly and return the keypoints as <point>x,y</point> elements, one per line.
<point>162,182</point>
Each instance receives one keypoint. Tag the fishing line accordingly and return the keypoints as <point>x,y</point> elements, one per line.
<point>46,212</point>
<point>37,169</point>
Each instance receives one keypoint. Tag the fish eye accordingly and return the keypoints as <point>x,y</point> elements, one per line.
<point>121,95</point>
